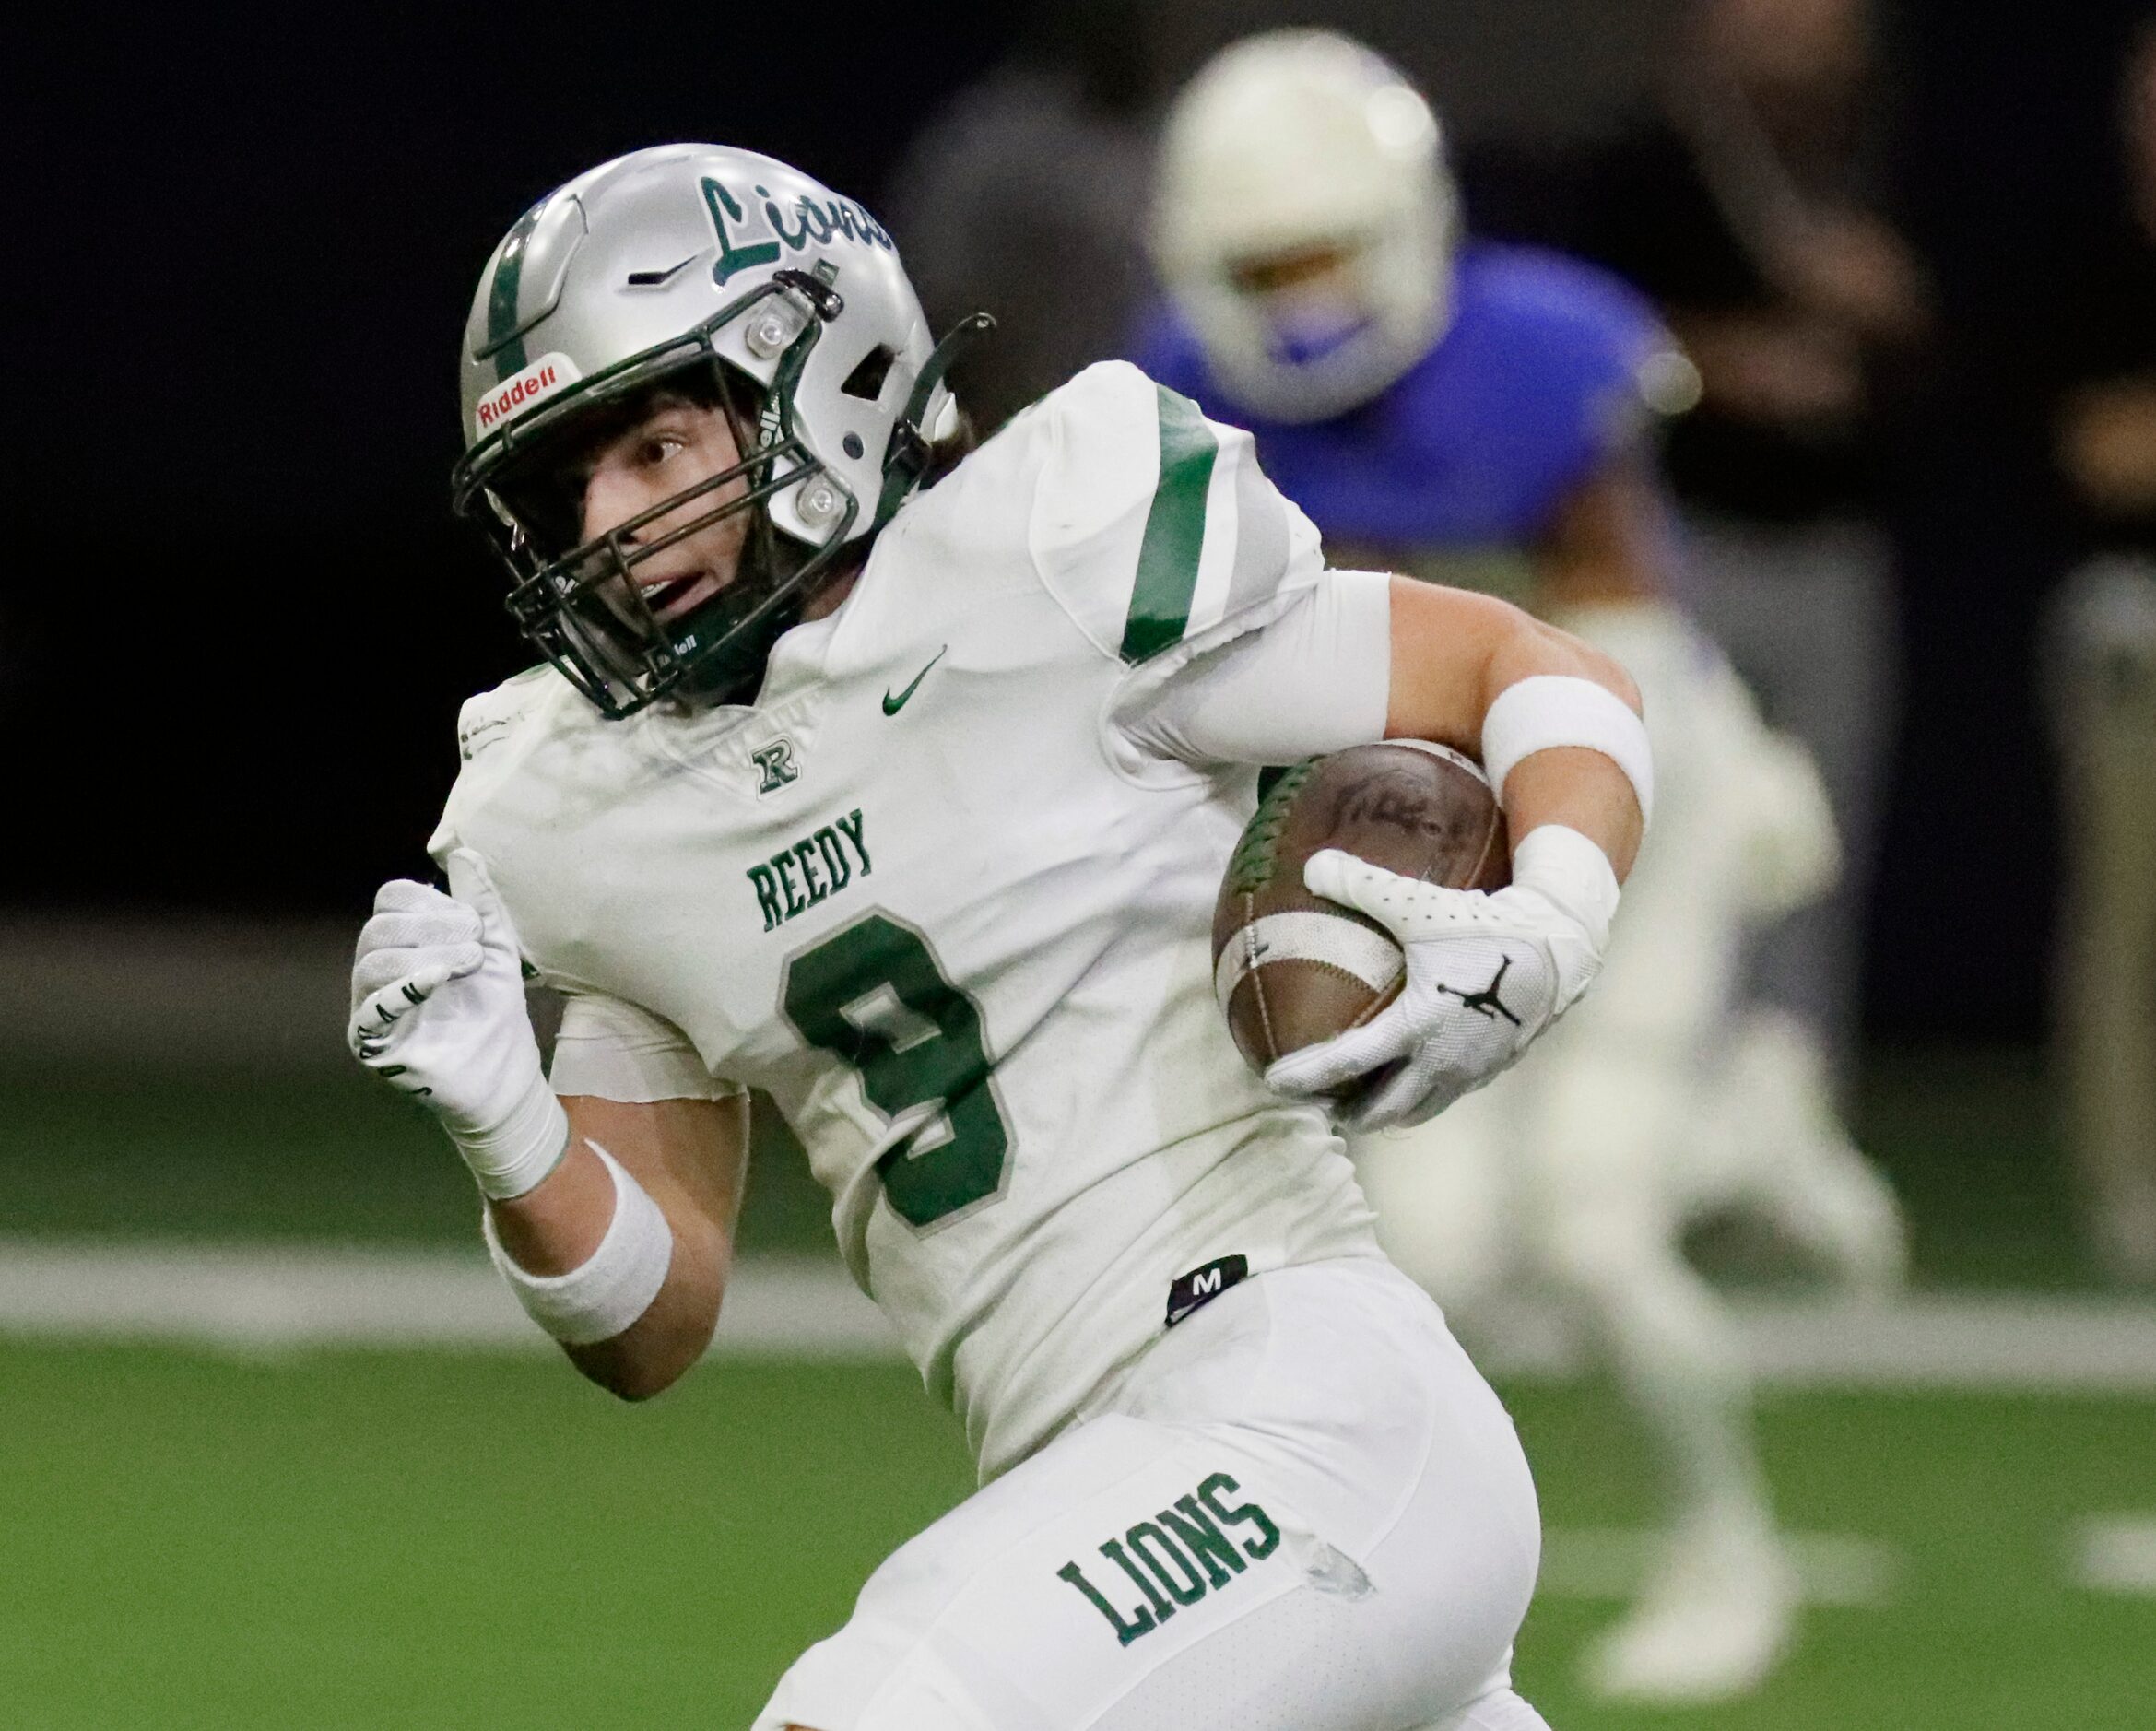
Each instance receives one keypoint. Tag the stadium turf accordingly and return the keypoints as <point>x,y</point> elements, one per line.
<point>405,1539</point>
<point>377,1540</point>
<point>330,1154</point>
<point>1967,1138</point>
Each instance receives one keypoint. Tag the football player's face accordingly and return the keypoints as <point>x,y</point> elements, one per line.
<point>1310,299</point>
<point>670,448</point>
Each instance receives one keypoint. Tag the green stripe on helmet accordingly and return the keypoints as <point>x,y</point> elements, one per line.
<point>1175,531</point>
<point>501,296</point>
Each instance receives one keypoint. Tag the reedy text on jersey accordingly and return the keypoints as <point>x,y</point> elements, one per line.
<point>814,868</point>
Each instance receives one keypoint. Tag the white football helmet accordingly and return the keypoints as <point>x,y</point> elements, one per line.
<point>1304,221</point>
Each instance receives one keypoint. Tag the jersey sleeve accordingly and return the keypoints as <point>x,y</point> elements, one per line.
<point>610,1048</point>
<point>1316,679</point>
<point>607,1046</point>
<point>1556,371</point>
<point>486,724</point>
<point>1152,527</point>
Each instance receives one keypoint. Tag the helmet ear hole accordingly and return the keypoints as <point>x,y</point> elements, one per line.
<point>866,381</point>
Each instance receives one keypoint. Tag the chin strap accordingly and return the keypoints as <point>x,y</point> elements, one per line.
<point>905,459</point>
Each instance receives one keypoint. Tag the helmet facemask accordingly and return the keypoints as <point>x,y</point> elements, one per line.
<point>580,602</point>
<point>1309,303</point>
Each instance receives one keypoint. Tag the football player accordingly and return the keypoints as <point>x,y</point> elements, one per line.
<point>1483,413</point>
<point>909,805</point>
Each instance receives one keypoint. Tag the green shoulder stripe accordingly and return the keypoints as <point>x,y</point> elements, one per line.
<point>1175,531</point>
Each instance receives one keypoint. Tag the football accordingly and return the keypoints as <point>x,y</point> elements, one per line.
<point>1291,969</point>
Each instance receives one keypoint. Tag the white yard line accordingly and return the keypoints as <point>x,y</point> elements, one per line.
<point>1612,1564</point>
<point>2115,1553</point>
<point>2039,1342</point>
<point>252,1296</point>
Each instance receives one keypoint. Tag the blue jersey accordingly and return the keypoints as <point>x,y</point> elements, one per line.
<point>1535,383</point>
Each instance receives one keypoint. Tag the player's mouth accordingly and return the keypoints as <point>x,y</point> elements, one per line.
<point>670,598</point>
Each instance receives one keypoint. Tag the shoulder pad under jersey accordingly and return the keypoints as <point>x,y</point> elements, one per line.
<point>487,719</point>
<point>1166,350</point>
<point>1150,524</point>
<point>487,725</point>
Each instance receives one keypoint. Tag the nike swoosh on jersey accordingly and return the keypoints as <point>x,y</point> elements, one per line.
<point>892,705</point>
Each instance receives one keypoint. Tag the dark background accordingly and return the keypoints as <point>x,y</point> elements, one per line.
<point>236,619</point>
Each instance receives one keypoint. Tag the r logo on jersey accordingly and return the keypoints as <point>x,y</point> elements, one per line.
<point>776,761</point>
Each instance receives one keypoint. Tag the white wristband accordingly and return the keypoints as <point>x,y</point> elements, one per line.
<point>617,1281</point>
<point>1552,710</point>
<point>515,1154</point>
<point>1558,862</point>
<point>1574,878</point>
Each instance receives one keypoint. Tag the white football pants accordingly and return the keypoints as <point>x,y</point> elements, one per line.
<point>1303,1510</point>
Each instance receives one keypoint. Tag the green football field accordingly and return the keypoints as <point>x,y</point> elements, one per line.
<point>328,1154</point>
<point>404,1540</point>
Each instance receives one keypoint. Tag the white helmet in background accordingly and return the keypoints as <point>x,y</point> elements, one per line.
<point>1304,221</point>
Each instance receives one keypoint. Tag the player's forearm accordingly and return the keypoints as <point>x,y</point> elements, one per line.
<point>1530,648</point>
<point>1456,655</point>
<point>1556,725</point>
<point>1610,541</point>
<point>558,1228</point>
<point>668,1338</point>
<point>1581,788</point>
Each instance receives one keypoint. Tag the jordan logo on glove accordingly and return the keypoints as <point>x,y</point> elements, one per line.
<point>1540,939</point>
<point>1486,1002</point>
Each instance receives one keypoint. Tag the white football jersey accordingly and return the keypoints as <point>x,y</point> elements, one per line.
<point>932,895</point>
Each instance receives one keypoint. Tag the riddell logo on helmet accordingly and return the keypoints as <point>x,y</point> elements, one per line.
<point>537,382</point>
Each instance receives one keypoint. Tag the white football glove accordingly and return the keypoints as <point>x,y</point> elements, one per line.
<point>1486,973</point>
<point>438,1011</point>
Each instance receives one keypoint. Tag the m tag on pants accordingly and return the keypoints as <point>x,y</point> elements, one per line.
<point>1187,1292</point>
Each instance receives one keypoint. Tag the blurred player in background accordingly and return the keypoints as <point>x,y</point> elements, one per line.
<point>909,805</point>
<point>1027,195</point>
<point>1748,203</point>
<point>1485,413</point>
<point>2101,366</point>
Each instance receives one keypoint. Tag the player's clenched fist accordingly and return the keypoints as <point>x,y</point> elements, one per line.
<point>438,1011</point>
<point>1485,973</point>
